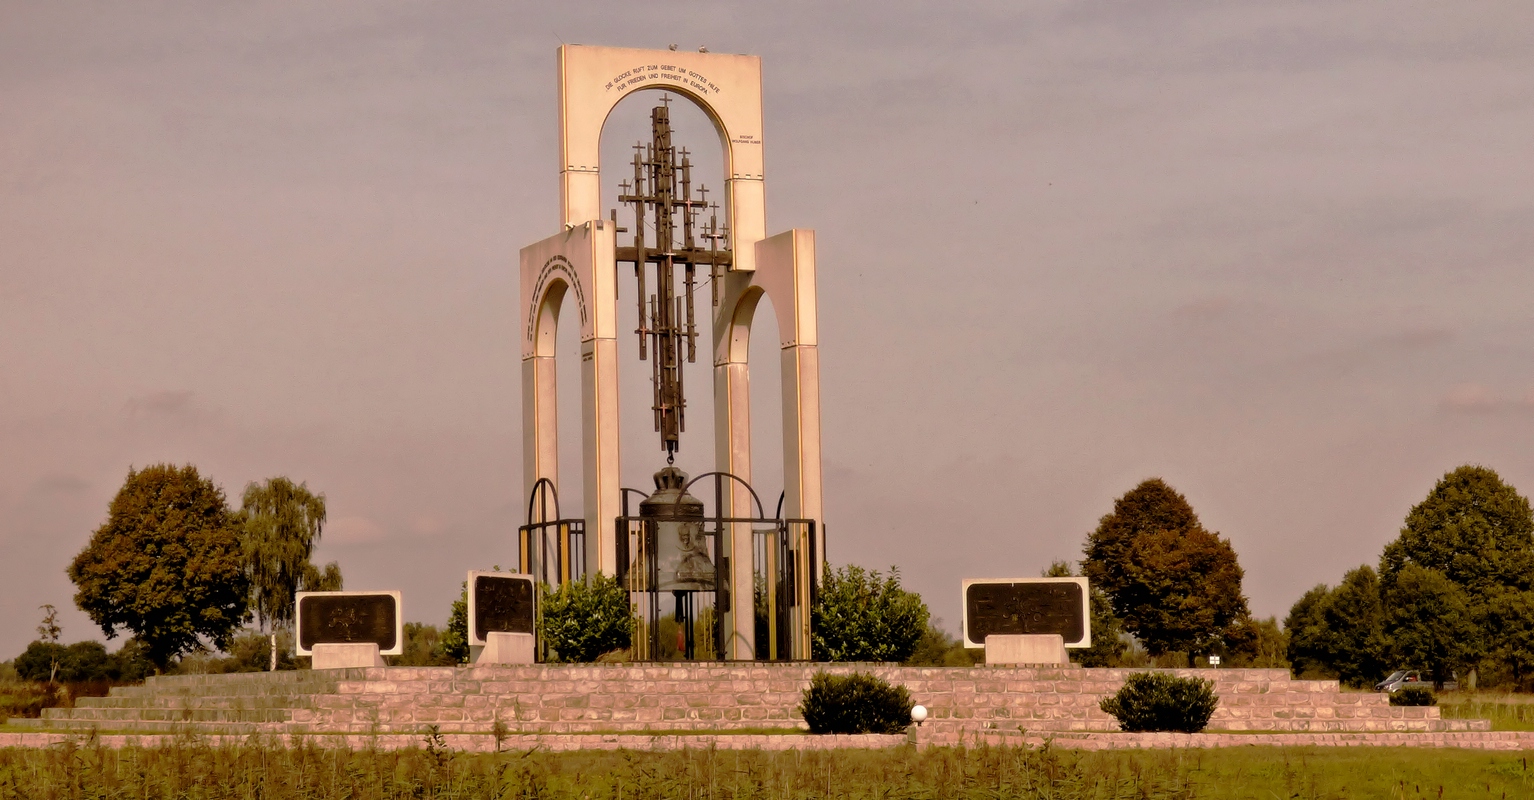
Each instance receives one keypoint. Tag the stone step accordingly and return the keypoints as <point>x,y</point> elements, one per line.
<point>110,715</point>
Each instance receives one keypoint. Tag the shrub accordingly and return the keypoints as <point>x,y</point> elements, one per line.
<point>455,640</point>
<point>581,621</point>
<point>856,703</point>
<point>83,662</point>
<point>861,615</point>
<point>1153,701</point>
<point>1414,696</point>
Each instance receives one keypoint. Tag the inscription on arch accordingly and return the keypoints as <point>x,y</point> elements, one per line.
<point>681,76</point>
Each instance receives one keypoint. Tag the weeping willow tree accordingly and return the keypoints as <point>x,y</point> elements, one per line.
<point>283,522</point>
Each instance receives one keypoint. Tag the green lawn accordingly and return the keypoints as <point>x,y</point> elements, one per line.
<point>198,772</point>
<point>1507,712</point>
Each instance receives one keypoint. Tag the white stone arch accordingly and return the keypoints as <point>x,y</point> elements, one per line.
<point>727,88</point>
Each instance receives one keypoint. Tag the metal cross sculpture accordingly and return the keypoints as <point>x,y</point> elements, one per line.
<point>662,199</point>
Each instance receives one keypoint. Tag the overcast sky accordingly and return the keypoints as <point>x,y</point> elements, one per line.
<point>1276,253</point>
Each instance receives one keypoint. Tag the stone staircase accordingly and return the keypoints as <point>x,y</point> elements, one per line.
<point>653,698</point>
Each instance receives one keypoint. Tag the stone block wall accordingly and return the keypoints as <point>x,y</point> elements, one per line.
<point>618,698</point>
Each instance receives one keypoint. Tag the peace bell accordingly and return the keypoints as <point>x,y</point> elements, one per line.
<point>681,558</point>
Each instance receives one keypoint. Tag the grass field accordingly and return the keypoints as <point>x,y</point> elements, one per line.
<point>1507,712</point>
<point>188,770</point>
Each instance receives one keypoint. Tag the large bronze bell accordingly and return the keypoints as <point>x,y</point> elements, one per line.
<point>681,557</point>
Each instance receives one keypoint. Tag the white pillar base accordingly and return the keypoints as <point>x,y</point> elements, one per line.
<point>346,656</point>
<point>1047,648</point>
<point>506,648</point>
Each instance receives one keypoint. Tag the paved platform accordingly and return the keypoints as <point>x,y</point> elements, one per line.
<point>723,700</point>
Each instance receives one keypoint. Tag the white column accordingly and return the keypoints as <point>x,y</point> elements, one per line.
<point>599,427</point>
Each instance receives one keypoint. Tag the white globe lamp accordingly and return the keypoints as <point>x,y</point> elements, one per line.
<point>919,714</point>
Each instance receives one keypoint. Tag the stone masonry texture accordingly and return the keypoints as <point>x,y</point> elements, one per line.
<point>632,703</point>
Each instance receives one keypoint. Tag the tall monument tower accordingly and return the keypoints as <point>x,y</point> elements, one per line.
<point>581,263</point>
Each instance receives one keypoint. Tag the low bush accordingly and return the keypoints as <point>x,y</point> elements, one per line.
<point>1414,696</point>
<point>582,621</point>
<point>1156,701</point>
<point>856,703</point>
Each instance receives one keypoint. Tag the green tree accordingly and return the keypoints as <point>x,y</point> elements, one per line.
<point>862,615</point>
<point>48,632</point>
<point>1311,642</point>
<point>1108,645</point>
<point>1478,533</point>
<point>582,620</point>
<point>1257,643</point>
<point>1175,585</point>
<point>1431,623</point>
<point>1473,528</point>
<point>167,564</point>
<point>1355,613</point>
<point>283,522</point>
<point>455,640</point>
<point>938,648</point>
<point>423,648</point>
<point>1510,613</point>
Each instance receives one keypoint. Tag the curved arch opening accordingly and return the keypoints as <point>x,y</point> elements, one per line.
<point>696,129</point>
<point>567,405</point>
<point>764,359</point>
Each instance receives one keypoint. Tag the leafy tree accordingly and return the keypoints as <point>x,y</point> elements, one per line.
<point>1473,528</point>
<point>49,632</point>
<point>283,522</point>
<point>455,640</point>
<point>423,648</point>
<point>81,661</point>
<point>1478,533</point>
<point>1108,645</point>
<point>167,564</point>
<point>582,620</point>
<point>1510,613</point>
<point>321,580</point>
<point>1341,632</point>
<point>1259,643</point>
<point>1311,642</point>
<point>1356,616</point>
<point>1430,621</point>
<point>1175,585</point>
<point>862,615</point>
<point>937,648</point>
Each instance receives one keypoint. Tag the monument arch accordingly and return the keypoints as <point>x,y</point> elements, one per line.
<point>583,259</point>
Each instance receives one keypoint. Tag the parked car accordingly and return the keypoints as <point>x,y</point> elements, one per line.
<point>1410,677</point>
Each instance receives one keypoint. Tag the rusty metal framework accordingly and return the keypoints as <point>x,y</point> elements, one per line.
<point>550,548</point>
<point>661,198</point>
<point>784,582</point>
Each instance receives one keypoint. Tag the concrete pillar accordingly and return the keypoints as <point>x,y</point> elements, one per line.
<point>599,427</point>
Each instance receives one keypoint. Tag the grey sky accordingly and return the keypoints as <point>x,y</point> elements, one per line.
<point>1277,253</point>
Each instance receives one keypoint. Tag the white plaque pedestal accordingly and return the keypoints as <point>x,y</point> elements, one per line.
<point>506,648</point>
<point>1047,648</point>
<point>346,656</point>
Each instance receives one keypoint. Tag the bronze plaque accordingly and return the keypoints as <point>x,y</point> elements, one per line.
<point>347,619</point>
<point>1024,608</point>
<point>502,604</point>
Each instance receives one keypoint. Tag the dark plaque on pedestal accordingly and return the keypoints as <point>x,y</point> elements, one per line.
<point>349,618</point>
<point>499,602</point>
<point>1027,606</point>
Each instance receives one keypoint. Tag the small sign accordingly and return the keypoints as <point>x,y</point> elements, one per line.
<point>1214,661</point>
<point>350,618</point>
<point>1023,606</point>
<point>500,602</point>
